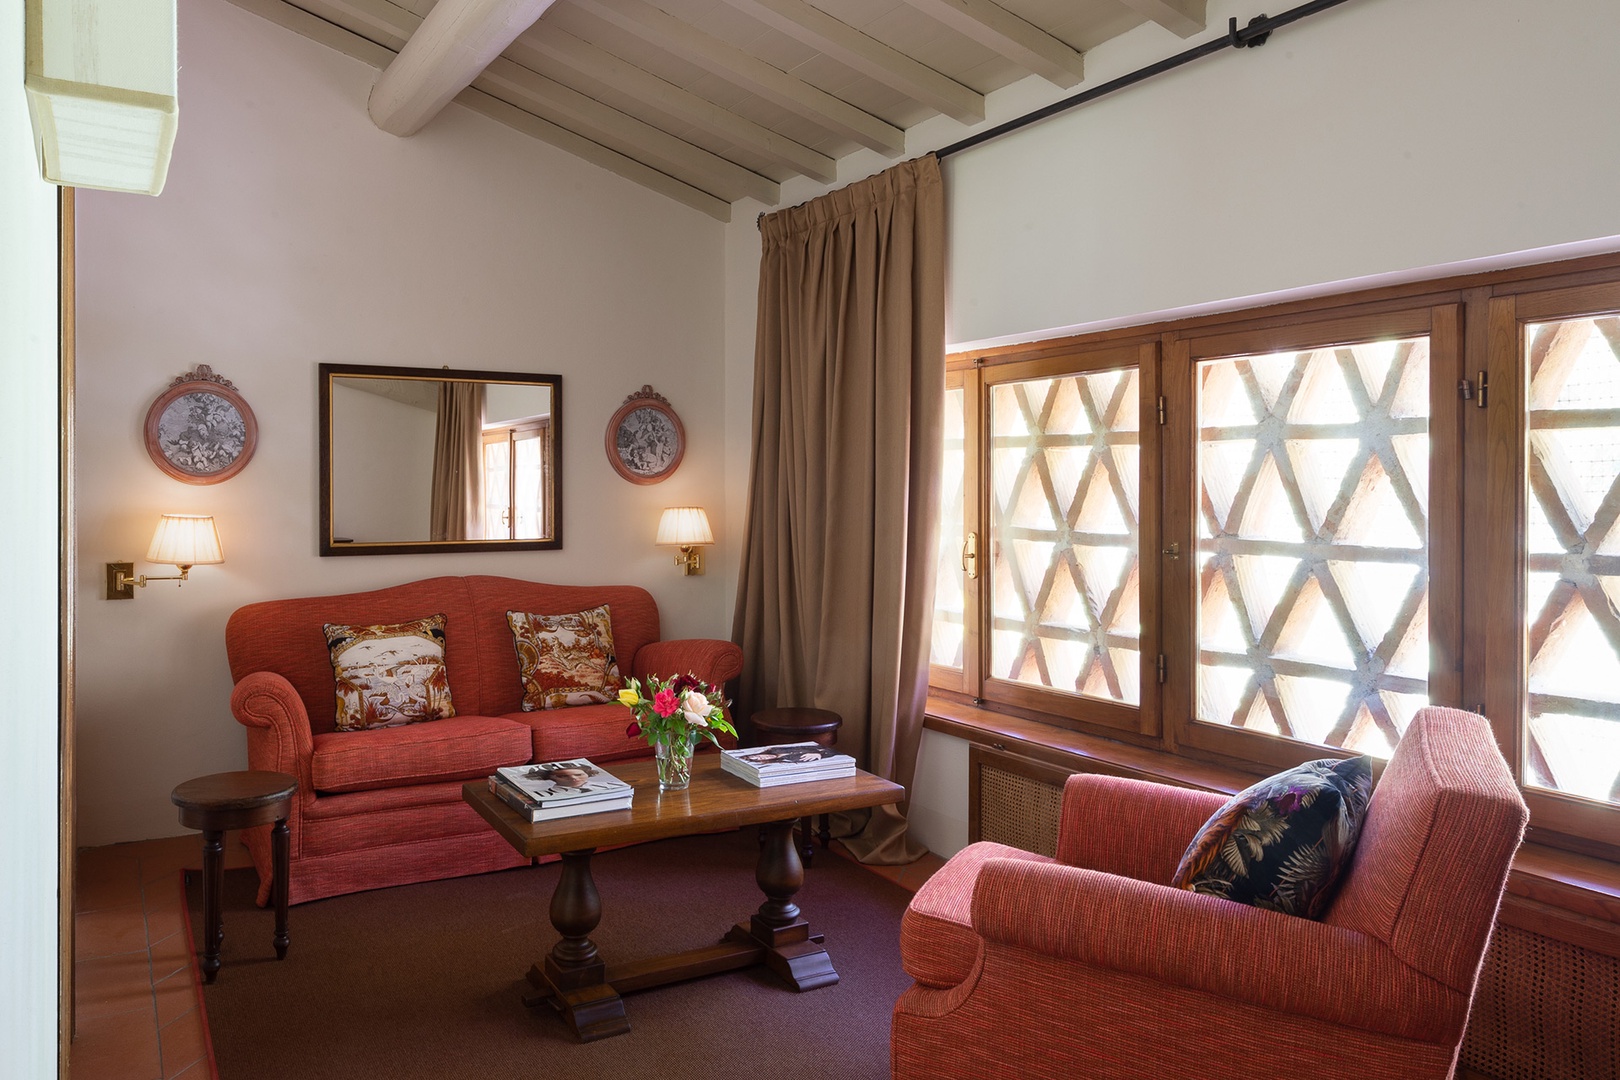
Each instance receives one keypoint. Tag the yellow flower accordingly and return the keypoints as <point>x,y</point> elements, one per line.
<point>629,698</point>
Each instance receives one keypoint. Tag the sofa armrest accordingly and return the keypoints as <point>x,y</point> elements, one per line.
<point>715,662</point>
<point>1132,828</point>
<point>278,733</point>
<point>1263,958</point>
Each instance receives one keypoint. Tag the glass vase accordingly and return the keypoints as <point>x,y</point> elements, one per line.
<point>674,765</point>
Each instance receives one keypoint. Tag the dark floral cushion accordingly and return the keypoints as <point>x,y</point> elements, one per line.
<point>1283,843</point>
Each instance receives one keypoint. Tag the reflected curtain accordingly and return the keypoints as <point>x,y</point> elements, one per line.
<point>457,507</point>
<point>837,570</point>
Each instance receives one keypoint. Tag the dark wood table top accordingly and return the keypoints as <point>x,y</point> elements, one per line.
<point>233,790</point>
<point>716,800</point>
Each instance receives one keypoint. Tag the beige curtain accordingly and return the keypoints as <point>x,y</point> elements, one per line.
<point>836,583</point>
<point>457,507</point>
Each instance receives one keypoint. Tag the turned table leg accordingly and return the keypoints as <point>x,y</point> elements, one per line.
<point>790,949</point>
<point>213,886</point>
<point>573,975</point>
<point>280,870</point>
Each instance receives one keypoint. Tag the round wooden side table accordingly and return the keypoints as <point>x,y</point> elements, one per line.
<point>237,800</point>
<point>819,726</point>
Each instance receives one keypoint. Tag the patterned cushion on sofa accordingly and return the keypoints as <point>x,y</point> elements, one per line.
<point>1282,843</point>
<point>565,659</point>
<point>461,748</point>
<point>390,674</point>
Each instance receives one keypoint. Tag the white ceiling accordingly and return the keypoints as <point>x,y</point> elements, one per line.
<point>711,101</point>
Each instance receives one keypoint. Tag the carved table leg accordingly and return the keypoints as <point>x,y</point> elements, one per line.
<point>279,855</point>
<point>213,886</point>
<point>573,976</point>
<point>807,838</point>
<point>826,831</point>
<point>790,949</point>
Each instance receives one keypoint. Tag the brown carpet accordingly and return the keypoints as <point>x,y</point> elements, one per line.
<point>426,980</point>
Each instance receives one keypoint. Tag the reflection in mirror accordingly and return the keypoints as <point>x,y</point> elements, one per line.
<point>417,460</point>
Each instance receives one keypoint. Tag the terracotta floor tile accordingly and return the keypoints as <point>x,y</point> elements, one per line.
<point>175,996</point>
<point>123,1047</point>
<point>161,858</point>
<point>112,985</point>
<point>163,899</point>
<point>170,955</point>
<point>105,861</point>
<point>195,1071</point>
<point>182,1044</point>
<point>109,931</point>
<point>111,884</point>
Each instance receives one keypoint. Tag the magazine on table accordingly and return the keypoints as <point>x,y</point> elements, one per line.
<point>797,777</point>
<point>532,811</point>
<point>784,758</point>
<point>553,783</point>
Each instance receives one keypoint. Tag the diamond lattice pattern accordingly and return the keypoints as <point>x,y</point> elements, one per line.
<point>1573,737</point>
<point>1313,546</point>
<point>1064,464</point>
<point>946,648</point>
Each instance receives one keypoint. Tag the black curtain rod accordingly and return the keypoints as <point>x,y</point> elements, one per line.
<point>1249,37</point>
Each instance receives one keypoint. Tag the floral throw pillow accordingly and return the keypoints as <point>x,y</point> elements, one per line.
<point>1283,843</point>
<point>565,659</point>
<point>391,674</point>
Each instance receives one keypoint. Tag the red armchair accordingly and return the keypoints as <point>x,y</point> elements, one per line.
<point>1090,965</point>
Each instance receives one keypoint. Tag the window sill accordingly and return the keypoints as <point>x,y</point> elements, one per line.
<point>1574,898</point>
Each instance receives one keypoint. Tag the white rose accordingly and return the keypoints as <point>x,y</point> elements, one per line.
<point>696,719</point>
<point>694,702</point>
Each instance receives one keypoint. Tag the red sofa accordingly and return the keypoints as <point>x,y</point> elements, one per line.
<point>1090,965</point>
<point>383,807</point>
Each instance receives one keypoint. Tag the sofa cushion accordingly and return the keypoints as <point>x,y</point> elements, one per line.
<point>389,674</point>
<point>1283,843</point>
<point>459,748</point>
<point>565,660</point>
<point>937,944</point>
<point>597,732</point>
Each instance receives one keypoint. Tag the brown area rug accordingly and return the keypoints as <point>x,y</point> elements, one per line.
<point>427,980</point>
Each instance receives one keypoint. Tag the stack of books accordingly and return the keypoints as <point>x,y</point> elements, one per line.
<point>790,763</point>
<point>559,789</point>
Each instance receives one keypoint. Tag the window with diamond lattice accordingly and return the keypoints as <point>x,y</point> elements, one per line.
<point>1313,543</point>
<point>1064,580</point>
<point>1572,740</point>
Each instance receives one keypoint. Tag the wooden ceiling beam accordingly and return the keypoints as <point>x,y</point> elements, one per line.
<point>1002,32</point>
<point>870,57</point>
<point>834,115</point>
<point>551,100</point>
<point>545,42</point>
<point>364,49</point>
<point>1183,18</point>
<point>449,50</point>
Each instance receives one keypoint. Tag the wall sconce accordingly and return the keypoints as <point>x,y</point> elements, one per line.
<point>685,527</point>
<point>183,540</point>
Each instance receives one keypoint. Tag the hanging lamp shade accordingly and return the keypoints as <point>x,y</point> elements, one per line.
<point>101,77</point>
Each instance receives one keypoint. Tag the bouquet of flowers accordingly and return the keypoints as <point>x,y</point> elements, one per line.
<point>672,714</point>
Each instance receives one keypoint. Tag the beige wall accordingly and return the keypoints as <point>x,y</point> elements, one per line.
<point>29,487</point>
<point>293,232</point>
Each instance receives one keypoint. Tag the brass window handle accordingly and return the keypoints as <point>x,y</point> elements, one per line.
<point>970,555</point>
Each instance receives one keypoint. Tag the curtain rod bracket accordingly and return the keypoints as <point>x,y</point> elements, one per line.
<point>1247,38</point>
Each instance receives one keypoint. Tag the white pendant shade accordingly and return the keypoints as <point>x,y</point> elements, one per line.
<point>185,540</point>
<point>101,79</point>
<point>684,526</point>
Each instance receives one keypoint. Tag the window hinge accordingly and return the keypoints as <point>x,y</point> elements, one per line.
<point>1484,385</point>
<point>1161,410</point>
<point>1468,391</point>
<point>1161,667</point>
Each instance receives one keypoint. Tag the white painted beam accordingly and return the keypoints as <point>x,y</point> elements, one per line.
<point>352,44</point>
<point>832,114</point>
<point>1002,32</point>
<point>545,42</point>
<point>619,131</point>
<point>870,57</point>
<point>1183,18</point>
<point>451,48</point>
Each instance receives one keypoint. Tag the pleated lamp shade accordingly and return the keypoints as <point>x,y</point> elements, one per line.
<point>684,526</point>
<point>186,540</point>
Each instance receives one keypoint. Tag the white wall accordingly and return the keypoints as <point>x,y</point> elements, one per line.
<point>1372,141</point>
<point>294,232</point>
<point>29,546</point>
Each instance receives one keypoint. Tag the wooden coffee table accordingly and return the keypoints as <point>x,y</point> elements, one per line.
<point>578,982</point>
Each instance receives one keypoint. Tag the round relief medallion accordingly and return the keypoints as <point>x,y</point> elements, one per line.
<point>199,430</point>
<point>645,439</point>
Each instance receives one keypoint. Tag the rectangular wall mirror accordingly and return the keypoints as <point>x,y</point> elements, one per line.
<point>422,460</point>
